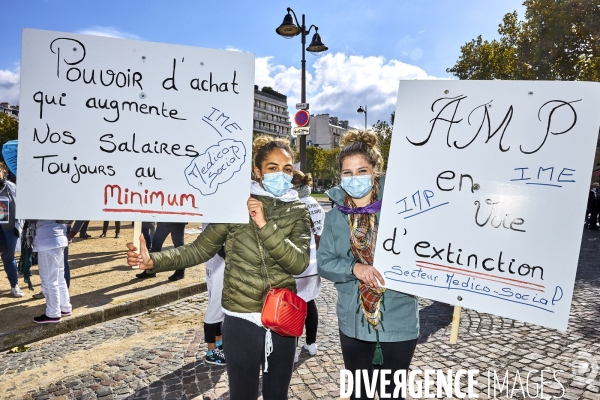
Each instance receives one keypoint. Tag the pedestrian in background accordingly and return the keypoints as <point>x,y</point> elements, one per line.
<point>163,230</point>
<point>278,228</point>
<point>214,316</point>
<point>592,207</point>
<point>49,239</point>
<point>9,234</point>
<point>105,229</point>
<point>345,256</point>
<point>309,282</point>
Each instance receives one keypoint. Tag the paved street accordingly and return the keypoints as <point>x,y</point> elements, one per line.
<point>159,354</point>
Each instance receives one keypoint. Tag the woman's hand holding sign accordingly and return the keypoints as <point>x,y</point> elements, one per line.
<point>142,259</point>
<point>368,274</point>
<point>257,212</point>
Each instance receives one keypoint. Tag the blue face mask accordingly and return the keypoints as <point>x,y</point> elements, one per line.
<point>277,183</point>
<point>357,186</point>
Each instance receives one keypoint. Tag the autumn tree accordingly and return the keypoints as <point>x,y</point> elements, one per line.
<point>558,40</point>
<point>9,128</point>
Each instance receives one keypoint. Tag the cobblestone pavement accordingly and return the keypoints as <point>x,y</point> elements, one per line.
<point>169,364</point>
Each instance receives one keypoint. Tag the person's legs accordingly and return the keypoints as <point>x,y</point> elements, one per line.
<point>162,231</point>
<point>245,348</point>
<point>358,355</point>
<point>312,322</point>
<point>146,231</point>
<point>396,356</point>
<point>83,231</point>
<point>63,290</point>
<point>48,267</point>
<point>276,382</point>
<point>177,233</point>
<point>104,228</point>
<point>8,258</point>
<point>177,230</point>
<point>67,268</point>
<point>117,228</point>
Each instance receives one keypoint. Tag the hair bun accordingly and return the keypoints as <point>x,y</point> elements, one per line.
<point>368,138</point>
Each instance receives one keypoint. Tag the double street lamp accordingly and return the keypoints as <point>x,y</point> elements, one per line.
<point>363,110</point>
<point>288,29</point>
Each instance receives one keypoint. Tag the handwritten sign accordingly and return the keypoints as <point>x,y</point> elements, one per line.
<point>115,129</point>
<point>486,193</point>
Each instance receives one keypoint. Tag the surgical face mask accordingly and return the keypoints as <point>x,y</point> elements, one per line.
<point>277,183</point>
<point>357,186</point>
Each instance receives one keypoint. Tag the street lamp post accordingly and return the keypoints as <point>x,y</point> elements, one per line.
<point>363,110</point>
<point>288,29</point>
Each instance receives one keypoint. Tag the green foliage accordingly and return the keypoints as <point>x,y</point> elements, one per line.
<point>321,163</point>
<point>9,128</point>
<point>384,139</point>
<point>558,40</point>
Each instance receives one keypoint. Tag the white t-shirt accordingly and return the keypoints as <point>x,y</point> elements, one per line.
<point>49,235</point>
<point>308,283</point>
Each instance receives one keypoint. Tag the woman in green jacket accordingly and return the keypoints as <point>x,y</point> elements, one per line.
<point>378,328</point>
<point>279,223</point>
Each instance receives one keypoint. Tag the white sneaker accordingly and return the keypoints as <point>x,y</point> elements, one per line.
<point>312,348</point>
<point>39,295</point>
<point>16,292</point>
<point>296,358</point>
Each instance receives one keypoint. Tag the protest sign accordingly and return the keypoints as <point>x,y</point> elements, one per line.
<point>115,129</point>
<point>486,193</point>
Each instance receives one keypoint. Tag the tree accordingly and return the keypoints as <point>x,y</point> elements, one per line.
<point>9,128</point>
<point>558,40</point>
<point>384,138</point>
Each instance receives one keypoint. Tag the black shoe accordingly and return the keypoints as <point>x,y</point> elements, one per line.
<point>177,275</point>
<point>103,234</point>
<point>116,235</point>
<point>145,275</point>
<point>85,235</point>
<point>44,319</point>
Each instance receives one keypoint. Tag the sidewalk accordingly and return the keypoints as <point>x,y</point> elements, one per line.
<point>103,287</point>
<point>160,354</point>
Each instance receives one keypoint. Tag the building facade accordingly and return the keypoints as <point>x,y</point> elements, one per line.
<point>271,116</point>
<point>10,110</point>
<point>326,131</point>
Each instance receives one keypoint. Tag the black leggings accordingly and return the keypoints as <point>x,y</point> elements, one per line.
<point>312,322</point>
<point>211,331</point>
<point>245,353</point>
<point>358,354</point>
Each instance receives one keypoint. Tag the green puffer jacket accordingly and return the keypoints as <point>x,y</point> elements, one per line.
<point>286,241</point>
<point>335,261</point>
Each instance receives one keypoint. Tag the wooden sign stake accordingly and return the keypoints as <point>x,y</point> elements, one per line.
<point>137,231</point>
<point>455,325</point>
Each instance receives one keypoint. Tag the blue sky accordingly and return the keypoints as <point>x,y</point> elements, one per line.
<point>372,44</point>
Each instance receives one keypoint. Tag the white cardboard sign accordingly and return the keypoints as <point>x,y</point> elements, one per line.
<point>115,129</point>
<point>486,193</point>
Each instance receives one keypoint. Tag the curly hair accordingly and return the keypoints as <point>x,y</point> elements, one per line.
<point>263,145</point>
<point>364,144</point>
<point>301,179</point>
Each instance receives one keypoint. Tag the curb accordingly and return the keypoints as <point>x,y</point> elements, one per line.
<point>84,317</point>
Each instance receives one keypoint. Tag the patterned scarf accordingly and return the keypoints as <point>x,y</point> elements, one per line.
<point>363,236</point>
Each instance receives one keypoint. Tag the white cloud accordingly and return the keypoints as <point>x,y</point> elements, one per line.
<point>9,85</point>
<point>231,48</point>
<point>109,31</point>
<point>342,83</point>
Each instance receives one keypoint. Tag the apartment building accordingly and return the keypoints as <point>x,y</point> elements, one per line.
<point>326,131</point>
<point>271,116</point>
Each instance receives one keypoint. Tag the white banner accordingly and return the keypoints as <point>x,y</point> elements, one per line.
<point>486,193</point>
<point>115,129</point>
